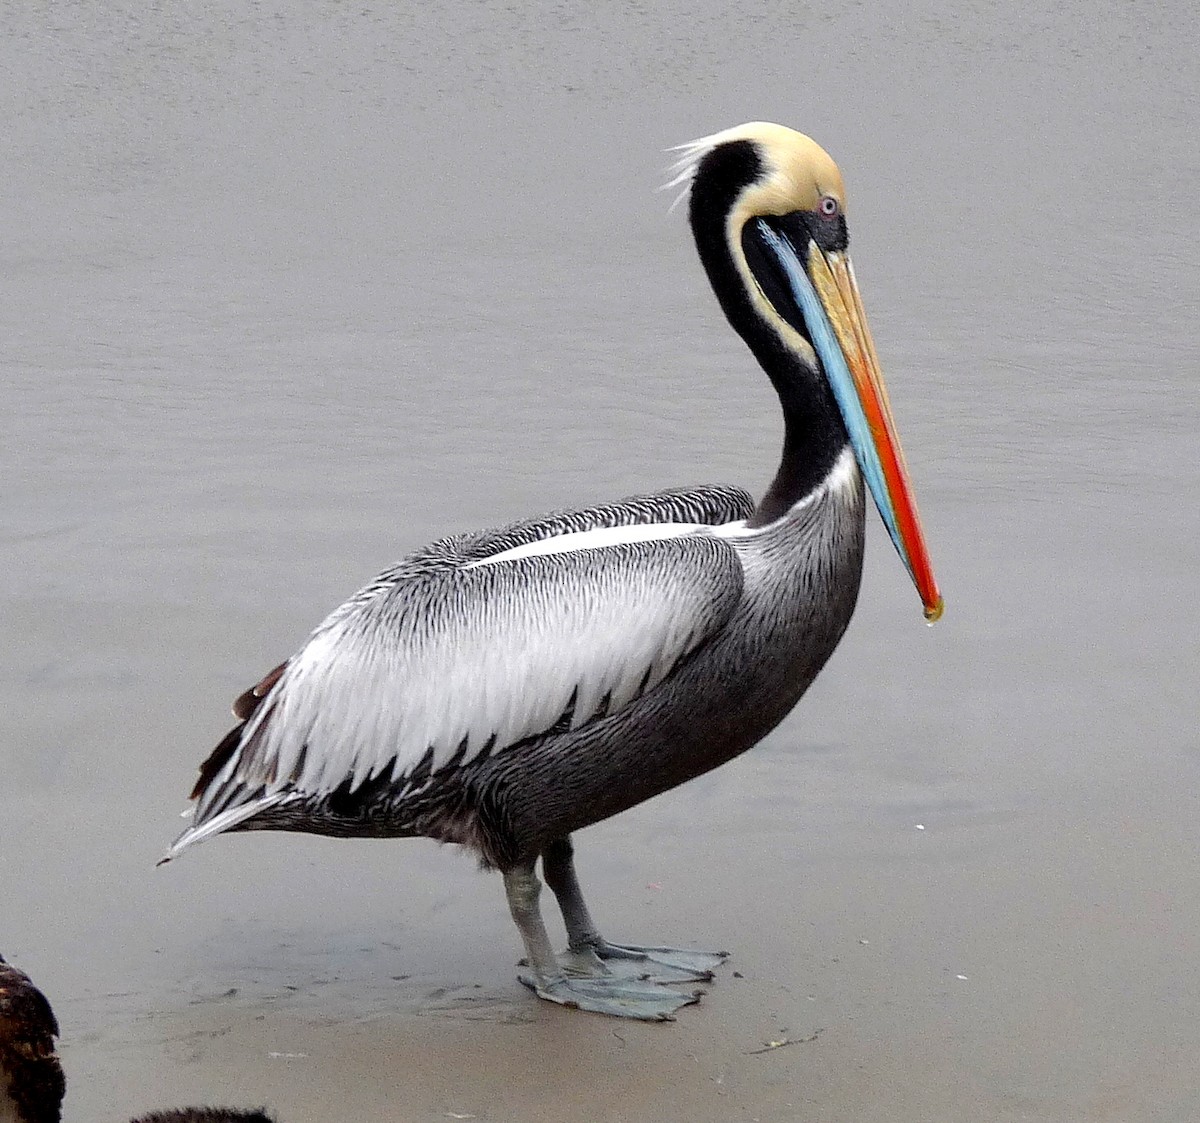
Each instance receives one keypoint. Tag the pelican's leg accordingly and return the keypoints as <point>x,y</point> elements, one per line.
<point>602,994</point>
<point>660,964</point>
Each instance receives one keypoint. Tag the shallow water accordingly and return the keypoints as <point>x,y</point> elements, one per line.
<point>288,292</point>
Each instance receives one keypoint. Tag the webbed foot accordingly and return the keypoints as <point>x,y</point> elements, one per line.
<point>612,995</point>
<point>660,964</point>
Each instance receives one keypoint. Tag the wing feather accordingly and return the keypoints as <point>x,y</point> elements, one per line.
<point>438,661</point>
<point>433,669</point>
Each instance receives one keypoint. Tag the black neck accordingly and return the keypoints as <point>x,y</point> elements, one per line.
<point>813,432</point>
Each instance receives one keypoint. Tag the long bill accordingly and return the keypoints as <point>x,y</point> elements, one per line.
<point>828,297</point>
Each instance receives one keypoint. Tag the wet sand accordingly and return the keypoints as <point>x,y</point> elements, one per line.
<point>286,295</point>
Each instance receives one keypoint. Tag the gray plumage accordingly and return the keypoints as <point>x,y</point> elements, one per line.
<point>581,733</point>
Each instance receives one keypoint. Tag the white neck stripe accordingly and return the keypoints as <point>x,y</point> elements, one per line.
<point>840,479</point>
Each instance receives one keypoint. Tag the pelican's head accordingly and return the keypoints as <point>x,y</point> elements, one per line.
<point>768,208</point>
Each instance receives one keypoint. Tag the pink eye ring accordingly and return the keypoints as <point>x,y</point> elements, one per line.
<point>828,206</point>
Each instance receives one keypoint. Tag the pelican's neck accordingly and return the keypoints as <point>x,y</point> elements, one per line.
<point>814,434</point>
<point>804,467</point>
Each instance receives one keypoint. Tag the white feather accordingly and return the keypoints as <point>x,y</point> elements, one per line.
<point>220,822</point>
<point>479,657</point>
<point>594,540</point>
<point>842,479</point>
<point>683,170</point>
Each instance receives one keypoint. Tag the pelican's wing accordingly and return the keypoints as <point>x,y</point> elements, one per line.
<point>470,647</point>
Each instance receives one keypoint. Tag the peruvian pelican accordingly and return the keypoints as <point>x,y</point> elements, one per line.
<point>32,1084</point>
<point>504,688</point>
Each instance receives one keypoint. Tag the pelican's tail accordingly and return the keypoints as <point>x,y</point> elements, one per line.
<point>226,820</point>
<point>223,800</point>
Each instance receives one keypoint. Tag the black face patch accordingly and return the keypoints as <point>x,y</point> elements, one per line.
<point>797,228</point>
<point>801,227</point>
<point>769,272</point>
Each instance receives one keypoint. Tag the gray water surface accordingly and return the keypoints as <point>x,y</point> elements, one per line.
<point>289,290</point>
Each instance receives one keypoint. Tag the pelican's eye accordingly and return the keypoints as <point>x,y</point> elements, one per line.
<point>828,206</point>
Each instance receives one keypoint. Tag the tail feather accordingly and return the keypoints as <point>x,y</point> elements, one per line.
<point>223,821</point>
<point>244,708</point>
<point>247,703</point>
<point>224,804</point>
<point>217,759</point>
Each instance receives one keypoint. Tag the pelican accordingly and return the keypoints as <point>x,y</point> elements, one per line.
<point>32,1084</point>
<point>503,689</point>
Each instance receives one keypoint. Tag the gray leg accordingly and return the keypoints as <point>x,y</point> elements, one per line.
<point>605,994</point>
<point>662,964</point>
<point>558,864</point>
<point>523,889</point>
